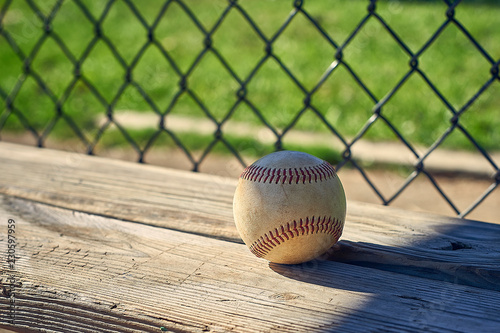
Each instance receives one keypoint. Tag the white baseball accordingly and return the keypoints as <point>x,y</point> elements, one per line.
<point>289,207</point>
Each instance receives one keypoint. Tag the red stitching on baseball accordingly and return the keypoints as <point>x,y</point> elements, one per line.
<point>315,173</point>
<point>265,243</point>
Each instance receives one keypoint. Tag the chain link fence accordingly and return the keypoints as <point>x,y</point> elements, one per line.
<point>166,83</point>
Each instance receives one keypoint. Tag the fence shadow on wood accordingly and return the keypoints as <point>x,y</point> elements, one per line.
<point>422,259</point>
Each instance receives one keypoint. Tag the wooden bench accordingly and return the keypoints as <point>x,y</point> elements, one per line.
<point>104,245</point>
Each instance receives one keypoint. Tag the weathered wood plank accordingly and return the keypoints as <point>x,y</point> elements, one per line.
<point>425,245</point>
<point>129,191</point>
<point>86,273</point>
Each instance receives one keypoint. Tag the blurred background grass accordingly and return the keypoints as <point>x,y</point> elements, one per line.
<point>452,63</point>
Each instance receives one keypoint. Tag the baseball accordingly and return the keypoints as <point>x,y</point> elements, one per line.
<point>289,207</point>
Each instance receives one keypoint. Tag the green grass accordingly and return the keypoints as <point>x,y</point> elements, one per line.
<point>451,63</point>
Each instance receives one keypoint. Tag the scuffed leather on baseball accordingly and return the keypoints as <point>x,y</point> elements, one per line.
<point>289,207</point>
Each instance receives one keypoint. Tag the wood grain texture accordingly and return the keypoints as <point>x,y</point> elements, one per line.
<point>425,245</point>
<point>130,191</point>
<point>86,273</point>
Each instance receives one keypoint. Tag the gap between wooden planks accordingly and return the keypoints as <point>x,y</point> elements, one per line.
<point>426,245</point>
<point>86,273</point>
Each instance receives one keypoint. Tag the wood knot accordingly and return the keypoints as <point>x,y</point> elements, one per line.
<point>285,296</point>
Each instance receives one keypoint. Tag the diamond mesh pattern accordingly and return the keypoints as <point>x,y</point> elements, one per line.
<point>78,60</point>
